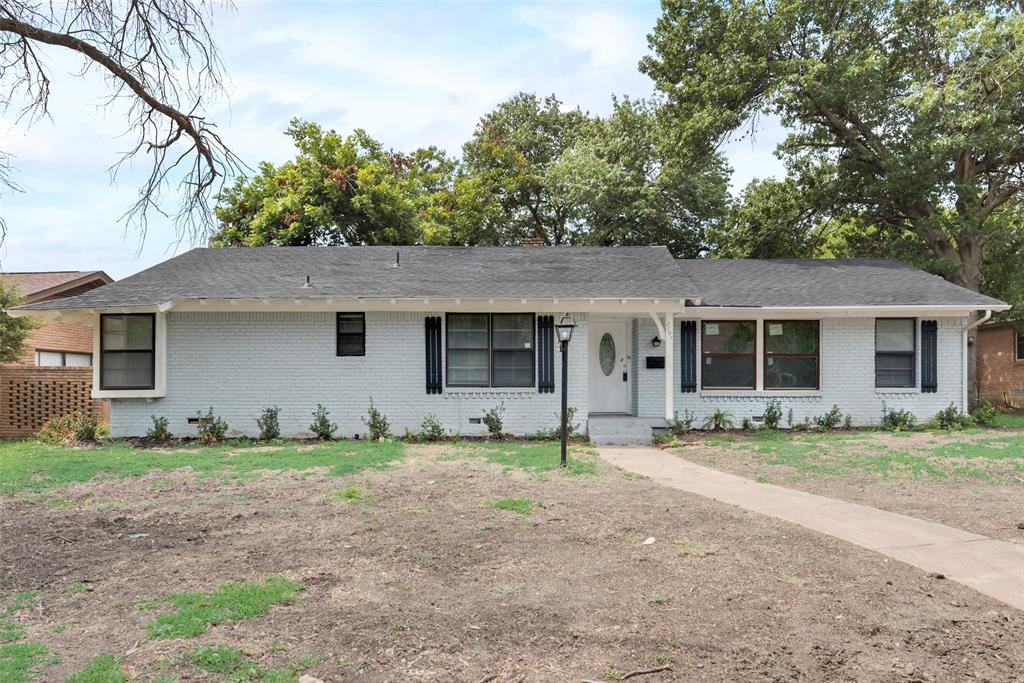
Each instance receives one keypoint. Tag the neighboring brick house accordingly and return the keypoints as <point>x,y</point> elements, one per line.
<point>53,375</point>
<point>1001,363</point>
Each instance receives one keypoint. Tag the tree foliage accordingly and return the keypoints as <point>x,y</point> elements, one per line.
<point>157,56</point>
<point>905,115</point>
<point>12,330</point>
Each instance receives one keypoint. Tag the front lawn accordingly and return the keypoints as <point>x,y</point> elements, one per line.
<point>972,479</point>
<point>354,561</point>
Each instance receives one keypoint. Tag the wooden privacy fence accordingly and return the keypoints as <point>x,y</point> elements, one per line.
<point>29,396</point>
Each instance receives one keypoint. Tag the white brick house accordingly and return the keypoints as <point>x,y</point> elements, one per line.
<point>453,332</point>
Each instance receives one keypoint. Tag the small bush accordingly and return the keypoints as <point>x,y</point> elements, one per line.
<point>495,424</point>
<point>748,425</point>
<point>848,421</point>
<point>269,424</point>
<point>380,427</point>
<point>70,429</point>
<point>772,413</point>
<point>985,413</point>
<point>719,421</point>
<point>829,420</point>
<point>322,427</point>
<point>951,418</point>
<point>431,428</point>
<point>681,425</point>
<point>897,420</point>
<point>160,431</point>
<point>211,427</point>
<point>789,417</point>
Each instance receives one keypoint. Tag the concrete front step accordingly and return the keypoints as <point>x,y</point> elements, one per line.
<point>623,430</point>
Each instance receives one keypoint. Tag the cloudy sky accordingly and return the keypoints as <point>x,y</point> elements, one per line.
<point>411,74</point>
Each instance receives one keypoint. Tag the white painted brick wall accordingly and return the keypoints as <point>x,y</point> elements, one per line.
<point>847,378</point>
<point>238,363</point>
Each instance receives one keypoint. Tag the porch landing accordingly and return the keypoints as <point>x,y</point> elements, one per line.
<point>609,429</point>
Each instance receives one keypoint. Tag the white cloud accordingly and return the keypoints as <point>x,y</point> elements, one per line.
<point>609,37</point>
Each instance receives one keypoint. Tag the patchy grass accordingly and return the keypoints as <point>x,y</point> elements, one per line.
<point>30,465</point>
<point>22,662</point>
<point>533,457</point>
<point>350,494</point>
<point>195,612</point>
<point>694,549</point>
<point>102,669</point>
<point>1009,421</point>
<point>523,506</point>
<point>11,630</point>
<point>659,598</point>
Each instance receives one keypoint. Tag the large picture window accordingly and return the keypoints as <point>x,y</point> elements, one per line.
<point>351,334</point>
<point>490,350</point>
<point>127,351</point>
<point>727,351</point>
<point>791,354</point>
<point>895,359</point>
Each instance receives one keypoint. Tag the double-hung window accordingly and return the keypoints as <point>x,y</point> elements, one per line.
<point>727,354</point>
<point>66,359</point>
<point>351,329</point>
<point>895,357</point>
<point>490,350</point>
<point>791,354</point>
<point>127,351</point>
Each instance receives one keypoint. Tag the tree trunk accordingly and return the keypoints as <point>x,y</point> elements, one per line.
<point>969,249</point>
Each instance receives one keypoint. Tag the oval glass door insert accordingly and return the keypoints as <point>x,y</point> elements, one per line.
<point>606,354</point>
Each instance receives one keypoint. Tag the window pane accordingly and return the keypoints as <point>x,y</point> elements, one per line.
<point>78,360</point>
<point>49,358</point>
<point>797,336</point>
<point>127,370</point>
<point>728,338</point>
<point>894,335</point>
<point>350,324</point>
<point>467,331</point>
<point>894,370</point>
<point>350,345</point>
<point>1020,344</point>
<point>727,372</point>
<point>127,332</point>
<point>512,368</point>
<point>114,327</point>
<point>467,367</point>
<point>787,372</point>
<point>513,331</point>
<point>140,332</point>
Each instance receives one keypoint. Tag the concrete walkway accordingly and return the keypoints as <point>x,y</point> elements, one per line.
<point>995,568</point>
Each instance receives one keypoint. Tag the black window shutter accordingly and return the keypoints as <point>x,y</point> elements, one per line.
<point>929,356</point>
<point>688,344</point>
<point>433,343</point>
<point>546,354</point>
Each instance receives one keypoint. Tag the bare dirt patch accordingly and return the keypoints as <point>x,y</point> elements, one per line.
<point>418,577</point>
<point>970,480</point>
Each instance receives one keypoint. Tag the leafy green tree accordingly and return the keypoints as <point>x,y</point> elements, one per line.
<point>907,114</point>
<point>770,219</point>
<point>12,330</point>
<point>337,190</point>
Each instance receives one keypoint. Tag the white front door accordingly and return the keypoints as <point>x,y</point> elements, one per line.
<point>609,366</point>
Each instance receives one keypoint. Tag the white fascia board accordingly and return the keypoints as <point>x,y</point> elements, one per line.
<point>513,305</point>
<point>740,313</point>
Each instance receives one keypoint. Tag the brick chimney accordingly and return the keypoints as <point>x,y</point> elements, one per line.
<point>532,241</point>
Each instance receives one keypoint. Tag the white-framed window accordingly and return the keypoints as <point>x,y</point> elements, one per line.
<point>895,352</point>
<point>63,359</point>
<point>127,351</point>
<point>490,349</point>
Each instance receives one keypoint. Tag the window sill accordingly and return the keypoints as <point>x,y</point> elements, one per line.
<point>128,393</point>
<point>764,393</point>
<point>897,391</point>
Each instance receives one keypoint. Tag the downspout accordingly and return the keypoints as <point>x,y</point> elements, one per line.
<point>966,333</point>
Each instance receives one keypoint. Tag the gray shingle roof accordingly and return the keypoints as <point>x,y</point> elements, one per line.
<point>824,282</point>
<point>425,272</point>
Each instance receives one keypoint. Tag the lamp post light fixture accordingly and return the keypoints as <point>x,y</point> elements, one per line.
<point>564,329</point>
<point>656,342</point>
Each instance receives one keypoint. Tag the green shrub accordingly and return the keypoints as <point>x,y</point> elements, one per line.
<point>380,427</point>
<point>829,420</point>
<point>70,429</point>
<point>431,428</point>
<point>160,431</point>
<point>322,427</point>
<point>951,418</point>
<point>211,427</point>
<point>772,413</point>
<point>789,417</point>
<point>495,424</point>
<point>719,421</point>
<point>748,425</point>
<point>985,413</point>
<point>897,420</point>
<point>848,421</point>
<point>269,424</point>
<point>679,426</point>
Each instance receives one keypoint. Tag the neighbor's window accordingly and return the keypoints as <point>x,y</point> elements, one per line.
<point>490,350</point>
<point>127,351</point>
<point>351,334</point>
<point>791,354</point>
<point>1020,343</point>
<point>67,359</point>
<point>895,343</point>
<point>727,349</point>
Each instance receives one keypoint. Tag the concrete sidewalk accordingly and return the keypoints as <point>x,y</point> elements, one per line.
<point>995,568</point>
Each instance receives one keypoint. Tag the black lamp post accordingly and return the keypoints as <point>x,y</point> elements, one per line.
<point>564,328</point>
